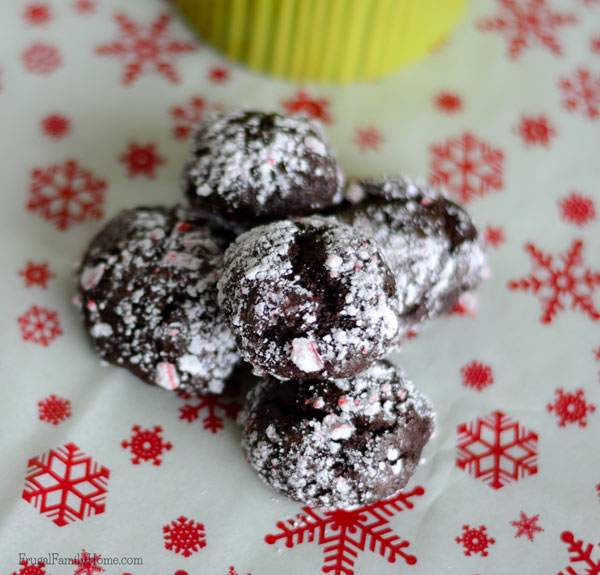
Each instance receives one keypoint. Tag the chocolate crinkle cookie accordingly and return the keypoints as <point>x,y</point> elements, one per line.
<point>248,165</point>
<point>429,242</point>
<point>337,444</point>
<point>147,290</point>
<point>309,298</point>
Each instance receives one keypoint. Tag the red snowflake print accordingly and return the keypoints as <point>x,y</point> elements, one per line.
<point>368,138</point>
<point>31,569</point>
<point>497,449</point>
<point>477,375</point>
<point>87,563</point>
<point>475,540</point>
<point>187,116</point>
<point>218,75</point>
<point>343,534</point>
<point>66,485</point>
<point>146,445</point>
<point>577,209</point>
<point>39,325</point>
<point>595,44</point>
<point>493,236</point>
<point>141,160</point>
<point>232,571</point>
<point>303,103</point>
<point>580,553</point>
<point>448,102</point>
<point>55,126</point>
<point>525,23</point>
<point>563,285</point>
<point>66,194</point>
<point>54,409</point>
<point>466,305</point>
<point>144,48</point>
<point>41,58</point>
<point>36,274</point>
<point>527,526</point>
<point>571,407</point>
<point>85,6</point>
<point>37,13</point>
<point>535,130</point>
<point>467,166</point>
<point>581,93</point>
<point>184,536</point>
<point>216,410</point>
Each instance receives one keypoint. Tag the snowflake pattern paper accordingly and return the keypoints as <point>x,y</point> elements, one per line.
<point>98,99</point>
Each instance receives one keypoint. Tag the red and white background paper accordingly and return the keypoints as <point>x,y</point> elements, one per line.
<point>97,98</point>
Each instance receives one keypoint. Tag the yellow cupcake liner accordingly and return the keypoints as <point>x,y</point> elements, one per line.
<point>334,41</point>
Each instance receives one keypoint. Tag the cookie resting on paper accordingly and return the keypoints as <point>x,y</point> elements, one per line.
<point>429,242</point>
<point>248,165</point>
<point>337,444</point>
<point>147,290</point>
<point>308,298</point>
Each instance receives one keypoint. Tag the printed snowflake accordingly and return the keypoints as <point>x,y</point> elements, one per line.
<point>368,138</point>
<point>477,375</point>
<point>213,405</point>
<point>448,102</point>
<point>571,407</point>
<point>232,571</point>
<point>30,569</point>
<point>535,130</point>
<point>595,44</point>
<point>560,285</point>
<point>577,209</point>
<point>582,553</point>
<point>581,93</point>
<point>527,526</point>
<point>467,166</point>
<point>303,103</point>
<point>54,409</point>
<point>39,325</point>
<point>66,485</point>
<point>55,126</point>
<point>497,449</point>
<point>88,563</point>
<point>187,116</point>
<point>493,236</point>
<point>36,274</point>
<point>37,13</point>
<point>146,445</point>
<point>475,540</point>
<point>526,23</point>
<point>41,58</point>
<point>141,160</point>
<point>84,6</point>
<point>144,48</point>
<point>66,194</point>
<point>184,536</point>
<point>218,74</point>
<point>343,534</point>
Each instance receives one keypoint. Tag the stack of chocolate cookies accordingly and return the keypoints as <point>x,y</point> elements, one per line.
<point>275,260</point>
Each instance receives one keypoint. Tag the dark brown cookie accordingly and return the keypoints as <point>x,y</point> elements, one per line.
<point>337,444</point>
<point>429,242</point>
<point>147,289</point>
<point>245,166</point>
<point>309,298</point>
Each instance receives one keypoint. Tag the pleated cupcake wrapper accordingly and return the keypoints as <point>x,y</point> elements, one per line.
<point>336,41</point>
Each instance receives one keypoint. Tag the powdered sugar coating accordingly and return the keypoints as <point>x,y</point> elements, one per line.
<point>430,242</point>
<point>149,300</point>
<point>245,165</point>
<point>341,443</point>
<point>309,296</point>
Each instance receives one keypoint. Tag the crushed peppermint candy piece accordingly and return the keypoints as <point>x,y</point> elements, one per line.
<point>305,355</point>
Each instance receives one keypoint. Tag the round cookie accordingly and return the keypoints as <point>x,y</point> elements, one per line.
<point>337,444</point>
<point>147,289</point>
<point>308,298</point>
<point>429,242</point>
<point>248,165</point>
